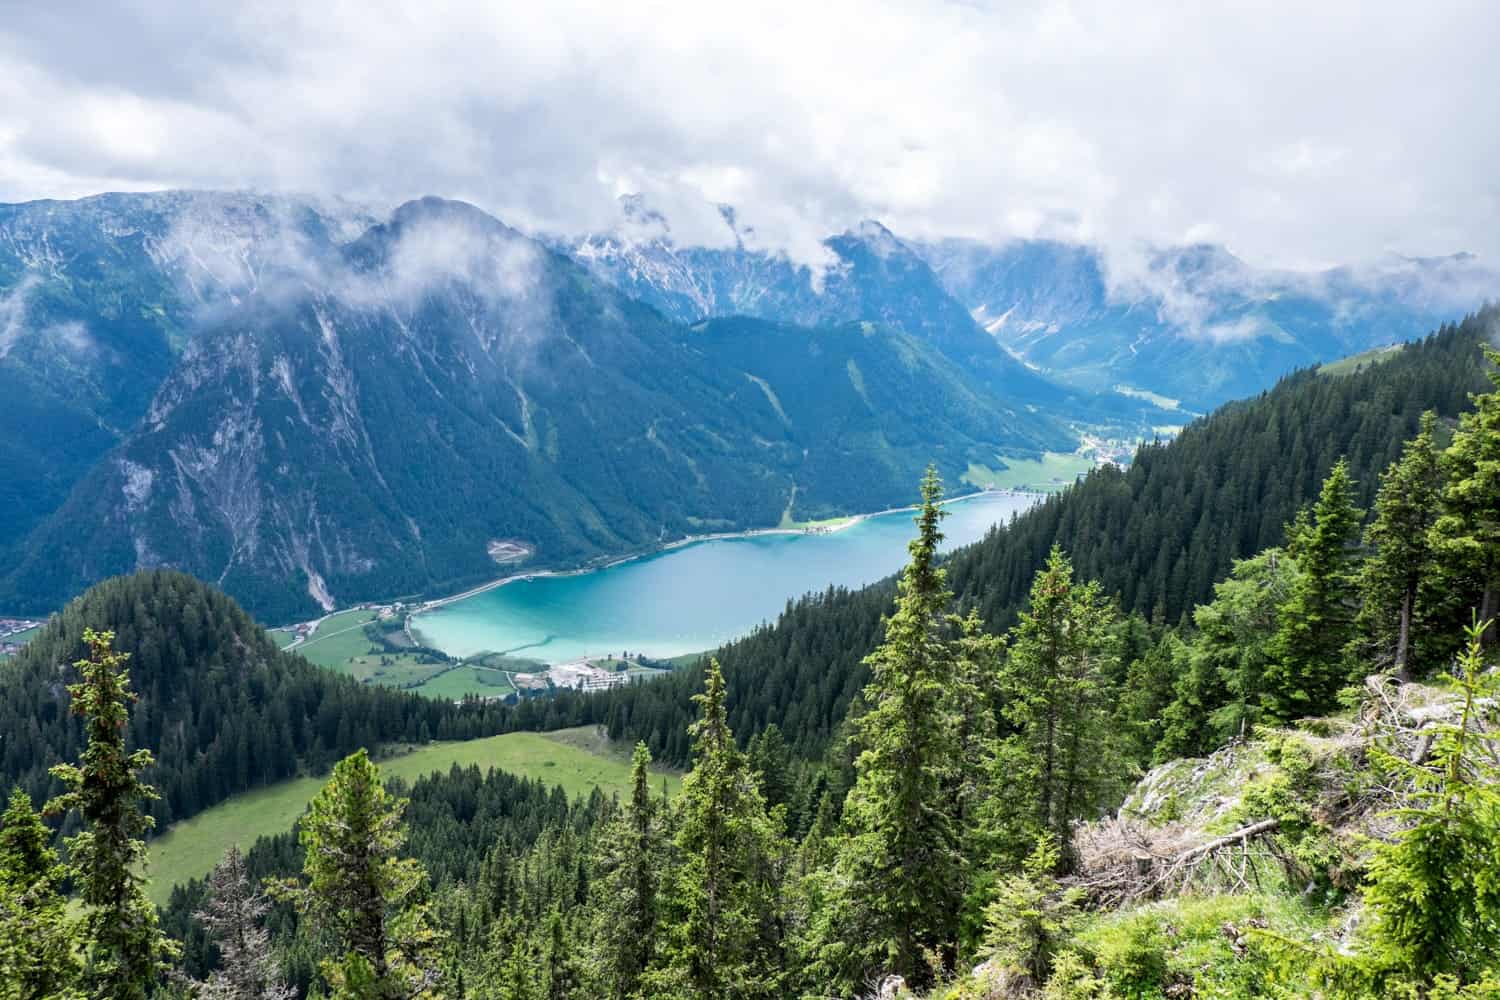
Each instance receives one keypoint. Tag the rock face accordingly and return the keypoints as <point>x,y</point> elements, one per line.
<point>359,419</point>
<point>98,298</point>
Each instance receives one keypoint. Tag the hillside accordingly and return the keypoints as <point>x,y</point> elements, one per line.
<point>1197,324</point>
<point>221,707</point>
<point>980,827</point>
<point>870,274</point>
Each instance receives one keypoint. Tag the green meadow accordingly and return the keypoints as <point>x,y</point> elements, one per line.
<point>577,759</point>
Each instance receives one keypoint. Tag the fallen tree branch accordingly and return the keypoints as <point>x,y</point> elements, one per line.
<point>1239,836</point>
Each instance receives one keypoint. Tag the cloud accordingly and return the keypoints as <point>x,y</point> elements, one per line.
<point>13,313</point>
<point>1298,135</point>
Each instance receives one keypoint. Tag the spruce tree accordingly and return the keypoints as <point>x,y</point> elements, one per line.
<point>1316,623</point>
<point>232,913</point>
<point>1065,757</point>
<point>36,943</point>
<point>1221,691</point>
<point>724,908</point>
<point>901,872</point>
<point>1400,560</point>
<point>627,885</point>
<point>124,951</point>
<point>1466,535</point>
<point>359,892</point>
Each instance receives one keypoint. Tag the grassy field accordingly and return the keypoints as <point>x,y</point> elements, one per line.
<point>1354,362</point>
<point>1053,471</point>
<point>394,669</point>
<point>338,639</point>
<point>282,637</point>
<point>467,679</point>
<point>339,643</point>
<point>577,759</point>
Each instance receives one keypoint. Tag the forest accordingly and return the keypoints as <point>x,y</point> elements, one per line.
<point>901,791</point>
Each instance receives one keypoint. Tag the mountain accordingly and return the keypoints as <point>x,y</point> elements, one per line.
<point>1198,325</point>
<point>365,417</point>
<point>871,275</point>
<point>98,297</point>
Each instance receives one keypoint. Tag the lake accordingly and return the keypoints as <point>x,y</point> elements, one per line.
<point>693,597</point>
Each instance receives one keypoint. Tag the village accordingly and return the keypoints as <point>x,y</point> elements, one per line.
<point>16,632</point>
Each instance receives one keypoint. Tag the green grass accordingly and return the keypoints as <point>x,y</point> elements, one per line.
<point>338,639</point>
<point>26,634</point>
<point>339,643</point>
<point>282,637</point>
<point>393,669</point>
<point>578,760</point>
<point>1053,471</point>
<point>1354,362</point>
<point>466,679</point>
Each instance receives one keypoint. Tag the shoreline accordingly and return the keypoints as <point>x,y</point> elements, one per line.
<point>839,525</point>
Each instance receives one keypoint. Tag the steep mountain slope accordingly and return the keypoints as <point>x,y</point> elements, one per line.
<point>1198,325</point>
<point>97,298</point>
<point>867,401</point>
<point>872,276</point>
<point>367,418</point>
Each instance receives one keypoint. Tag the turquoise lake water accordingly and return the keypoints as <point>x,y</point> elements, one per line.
<point>691,598</point>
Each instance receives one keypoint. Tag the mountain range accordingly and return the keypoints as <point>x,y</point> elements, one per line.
<point>308,407</point>
<point>309,403</point>
<point>1192,325</point>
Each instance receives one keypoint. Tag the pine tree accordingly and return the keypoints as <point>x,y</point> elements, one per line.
<point>1030,916</point>
<point>1221,691</point>
<point>1316,623</point>
<point>36,943</point>
<point>1400,561</point>
<point>359,892</point>
<point>559,964</point>
<point>724,907</point>
<point>124,950</point>
<point>1435,890</point>
<point>232,913</point>
<point>1065,756</point>
<point>1466,535</point>
<point>627,885</point>
<point>771,760</point>
<point>901,870</point>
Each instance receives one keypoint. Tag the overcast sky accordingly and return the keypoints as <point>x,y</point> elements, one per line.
<point>1297,133</point>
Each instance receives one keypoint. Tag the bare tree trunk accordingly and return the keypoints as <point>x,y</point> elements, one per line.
<point>1403,639</point>
<point>1487,611</point>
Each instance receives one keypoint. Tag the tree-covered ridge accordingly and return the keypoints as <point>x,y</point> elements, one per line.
<point>222,708</point>
<point>1156,536</point>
